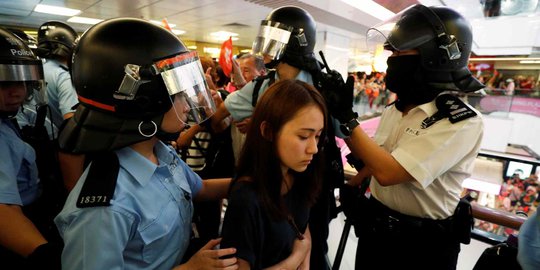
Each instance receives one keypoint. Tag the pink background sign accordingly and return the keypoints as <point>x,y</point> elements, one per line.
<point>524,105</point>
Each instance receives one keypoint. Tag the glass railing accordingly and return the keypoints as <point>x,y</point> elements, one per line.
<point>495,101</point>
<point>525,101</point>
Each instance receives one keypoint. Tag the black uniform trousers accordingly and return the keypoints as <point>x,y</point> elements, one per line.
<point>390,240</point>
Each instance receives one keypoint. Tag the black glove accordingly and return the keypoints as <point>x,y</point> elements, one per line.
<point>349,197</point>
<point>47,256</point>
<point>338,95</point>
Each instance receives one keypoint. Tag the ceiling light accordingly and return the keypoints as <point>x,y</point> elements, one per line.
<point>371,8</point>
<point>224,35</point>
<point>178,32</point>
<point>83,20</point>
<point>503,59</point>
<point>212,51</point>
<point>192,47</point>
<point>56,10</point>
<point>171,25</point>
<point>529,62</point>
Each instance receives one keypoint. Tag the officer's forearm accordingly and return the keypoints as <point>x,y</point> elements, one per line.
<point>213,189</point>
<point>219,123</point>
<point>185,138</point>
<point>17,232</point>
<point>381,163</point>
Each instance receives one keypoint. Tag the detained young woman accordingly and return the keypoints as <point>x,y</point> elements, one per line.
<point>278,179</point>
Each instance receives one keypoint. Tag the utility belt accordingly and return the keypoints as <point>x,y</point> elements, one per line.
<point>386,220</point>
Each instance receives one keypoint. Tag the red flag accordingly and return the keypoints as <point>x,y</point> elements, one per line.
<point>225,57</point>
<point>166,24</point>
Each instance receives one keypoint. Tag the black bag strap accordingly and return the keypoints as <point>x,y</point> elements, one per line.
<point>258,83</point>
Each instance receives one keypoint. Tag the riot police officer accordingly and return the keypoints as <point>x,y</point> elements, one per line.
<point>132,206</point>
<point>55,46</point>
<point>22,227</point>
<point>424,147</point>
<point>286,41</point>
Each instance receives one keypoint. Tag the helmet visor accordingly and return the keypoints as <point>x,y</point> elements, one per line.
<point>404,31</point>
<point>23,71</point>
<point>183,74</point>
<point>30,73</point>
<point>272,40</point>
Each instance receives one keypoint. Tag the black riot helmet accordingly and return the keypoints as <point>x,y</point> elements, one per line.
<point>126,82</point>
<point>443,38</point>
<point>19,67</point>
<point>288,34</point>
<point>56,39</point>
<point>28,39</point>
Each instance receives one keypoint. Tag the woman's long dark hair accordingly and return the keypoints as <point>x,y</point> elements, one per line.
<point>259,160</point>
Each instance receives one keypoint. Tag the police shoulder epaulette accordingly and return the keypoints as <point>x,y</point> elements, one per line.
<point>98,188</point>
<point>451,107</point>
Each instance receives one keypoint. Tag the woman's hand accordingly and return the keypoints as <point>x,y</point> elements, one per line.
<point>300,255</point>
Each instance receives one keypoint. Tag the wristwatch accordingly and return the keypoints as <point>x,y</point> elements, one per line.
<point>348,127</point>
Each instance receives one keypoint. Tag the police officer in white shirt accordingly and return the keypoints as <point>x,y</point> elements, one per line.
<point>424,147</point>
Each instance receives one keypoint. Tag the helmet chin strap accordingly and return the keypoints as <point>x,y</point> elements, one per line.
<point>272,64</point>
<point>7,115</point>
<point>168,136</point>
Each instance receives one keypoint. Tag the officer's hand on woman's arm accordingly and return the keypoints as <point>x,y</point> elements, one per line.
<point>209,258</point>
<point>359,177</point>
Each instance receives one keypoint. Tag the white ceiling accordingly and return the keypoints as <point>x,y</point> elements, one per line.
<point>197,17</point>
<point>493,36</point>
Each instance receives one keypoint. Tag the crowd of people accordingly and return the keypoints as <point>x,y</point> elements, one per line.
<point>497,83</point>
<point>370,92</point>
<point>518,196</point>
<point>119,180</point>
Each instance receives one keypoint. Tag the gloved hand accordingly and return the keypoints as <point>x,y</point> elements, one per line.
<point>46,256</point>
<point>338,95</point>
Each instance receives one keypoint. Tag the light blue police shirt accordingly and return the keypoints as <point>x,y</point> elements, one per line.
<point>529,243</point>
<point>238,103</point>
<point>147,225</point>
<point>60,91</point>
<point>19,182</point>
